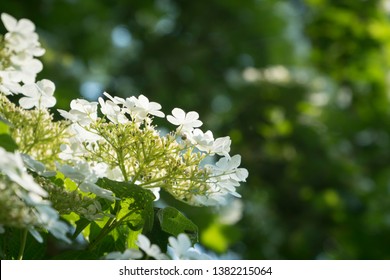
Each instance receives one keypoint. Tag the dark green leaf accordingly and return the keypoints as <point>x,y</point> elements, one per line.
<point>174,222</point>
<point>136,204</point>
<point>6,140</point>
<point>10,245</point>
<point>81,224</point>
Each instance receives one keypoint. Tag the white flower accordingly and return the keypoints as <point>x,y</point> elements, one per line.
<point>49,218</point>
<point>37,166</point>
<point>203,141</point>
<point>82,111</point>
<point>21,35</point>
<point>129,254</point>
<point>79,173</point>
<point>9,83</point>
<point>93,188</point>
<point>231,213</point>
<point>38,95</point>
<point>185,121</point>
<point>143,107</point>
<point>229,167</point>
<point>86,177</point>
<point>115,174</point>
<point>180,245</point>
<point>115,99</point>
<point>156,192</point>
<point>26,68</point>
<point>225,179</point>
<point>112,111</point>
<point>11,164</point>
<point>151,250</point>
<point>74,150</point>
<point>140,108</point>
<point>221,146</point>
<point>215,197</point>
<point>83,135</point>
<point>182,249</point>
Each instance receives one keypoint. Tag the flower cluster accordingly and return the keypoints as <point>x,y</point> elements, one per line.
<point>97,165</point>
<point>124,145</point>
<point>19,66</point>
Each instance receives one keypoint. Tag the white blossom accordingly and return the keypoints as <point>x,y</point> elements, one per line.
<point>151,250</point>
<point>37,166</point>
<point>140,108</point>
<point>50,219</point>
<point>21,47</point>
<point>231,213</point>
<point>143,107</point>
<point>93,188</point>
<point>82,112</point>
<point>112,111</point>
<point>115,174</point>
<point>86,177</point>
<point>204,141</point>
<point>221,146</point>
<point>9,83</point>
<point>115,99</point>
<point>229,167</point>
<point>185,121</point>
<point>11,164</point>
<point>39,95</point>
<point>128,254</point>
<point>181,248</point>
<point>25,68</point>
<point>21,35</point>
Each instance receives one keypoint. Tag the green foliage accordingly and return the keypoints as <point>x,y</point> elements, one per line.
<point>6,140</point>
<point>174,222</point>
<point>136,204</point>
<point>10,245</point>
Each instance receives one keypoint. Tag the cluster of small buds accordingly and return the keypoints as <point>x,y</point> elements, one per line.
<point>124,145</point>
<point>34,131</point>
<point>65,201</point>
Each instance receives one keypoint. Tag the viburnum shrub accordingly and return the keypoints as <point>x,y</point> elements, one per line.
<point>91,179</point>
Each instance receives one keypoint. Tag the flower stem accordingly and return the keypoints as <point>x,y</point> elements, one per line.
<point>108,227</point>
<point>23,239</point>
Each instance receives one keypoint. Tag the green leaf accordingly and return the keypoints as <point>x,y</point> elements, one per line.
<point>81,224</point>
<point>133,214</point>
<point>10,245</point>
<point>6,140</point>
<point>125,189</point>
<point>136,204</point>
<point>174,222</point>
<point>4,128</point>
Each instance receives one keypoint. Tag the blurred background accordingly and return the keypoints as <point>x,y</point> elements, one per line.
<point>301,87</point>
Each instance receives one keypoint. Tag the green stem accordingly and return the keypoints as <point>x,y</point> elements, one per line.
<point>108,227</point>
<point>23,239</point>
